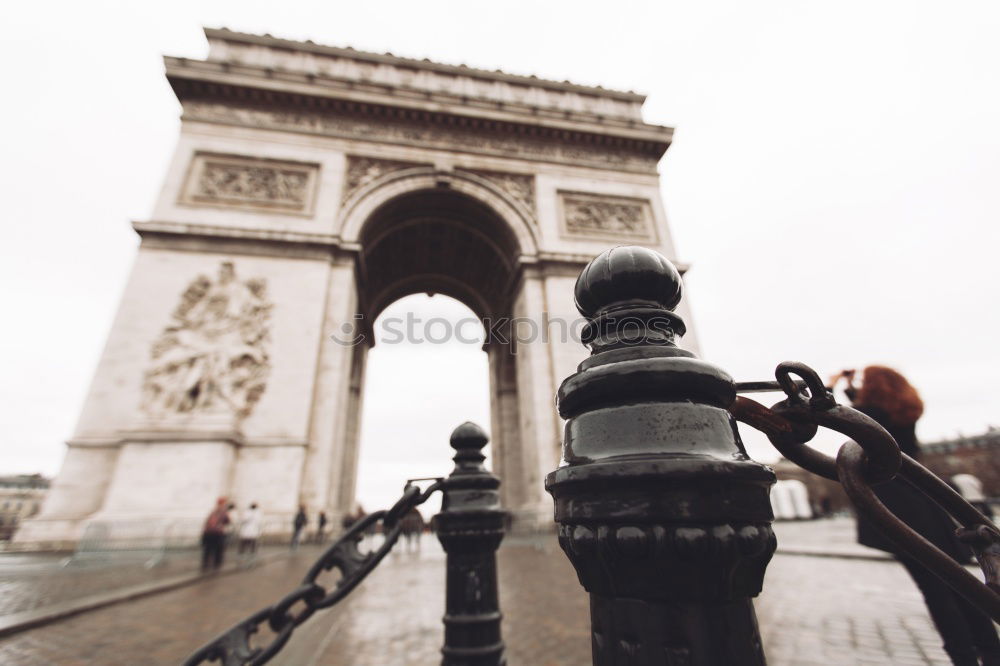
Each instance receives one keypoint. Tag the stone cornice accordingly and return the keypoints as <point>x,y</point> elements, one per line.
<point>150,227</point>
<point>118,438</point>
<point>309,245</point>
<point>246,84</point>
<point>240,240</point>
<point>224,34</point>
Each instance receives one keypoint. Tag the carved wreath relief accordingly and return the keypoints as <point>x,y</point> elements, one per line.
<point>232,180</point>
<point>586,215</point>
<point>213,355</point>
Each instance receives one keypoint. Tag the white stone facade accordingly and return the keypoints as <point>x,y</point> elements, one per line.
<point>311,187</point>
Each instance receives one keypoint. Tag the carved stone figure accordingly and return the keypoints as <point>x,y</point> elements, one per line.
<point>213,356</point>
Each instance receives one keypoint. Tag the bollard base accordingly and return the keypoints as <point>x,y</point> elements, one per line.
<point>487,655</point>
<point>634,631</point>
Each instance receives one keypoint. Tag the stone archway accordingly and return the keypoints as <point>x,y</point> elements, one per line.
<point>437,232</point>
<point>312,186</point>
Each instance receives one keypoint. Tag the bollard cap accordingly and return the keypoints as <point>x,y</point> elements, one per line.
<point>468,436</point>
<point>627,274</point>
<point>468,441</point>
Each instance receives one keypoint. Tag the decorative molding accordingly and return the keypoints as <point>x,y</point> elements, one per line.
<point>123,437</point>
<point>212,359</point>
<point>669,560</point>
<point>681,542</point>
<point>520,187</point>
<point>427,132</point>
<point>363,170</point>
<point>375,68</point>
<point>606,217</point>
<point>234,180</point>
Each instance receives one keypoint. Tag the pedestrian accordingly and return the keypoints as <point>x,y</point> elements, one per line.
<point>250,531</point>
<point>298,524</point>
<point>968,634</point>
<point>826,507</point>
<point>347,521</point>
<point>412,526</point>
<point>320,526</point>
<point>231,528</point>
<point>359,515</point>
<point>213,536</point>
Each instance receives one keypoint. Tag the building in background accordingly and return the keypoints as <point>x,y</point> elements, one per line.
<point>978,455</point>
<point>21,497</point>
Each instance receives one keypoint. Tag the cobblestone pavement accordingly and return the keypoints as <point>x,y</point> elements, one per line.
<point>836,536</point>
<point>822,611</point>
<point>814,611</point>
<point>36,584</point>
<point>29,582</point>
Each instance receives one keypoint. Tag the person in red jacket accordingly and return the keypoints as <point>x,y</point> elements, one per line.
<point>969,636</point>
<point>213,536</point>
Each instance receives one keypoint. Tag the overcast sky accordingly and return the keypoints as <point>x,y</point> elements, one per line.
<point>834,182</point>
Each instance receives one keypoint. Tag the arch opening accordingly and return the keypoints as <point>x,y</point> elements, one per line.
<point>433,240</point>
<point>437,241</point>
<point>422,380</point>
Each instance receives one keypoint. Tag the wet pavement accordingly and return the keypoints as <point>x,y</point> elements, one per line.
<point>35,581</point>
<point>815,610</point>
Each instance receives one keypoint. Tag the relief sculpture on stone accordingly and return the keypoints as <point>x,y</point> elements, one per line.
<point>253,183</point>
<point>364,170</point>
<point>424,135</point>
<point>519,187</point>
<point>233,180</point>
<point>213,356</point>
<point>586,214</point>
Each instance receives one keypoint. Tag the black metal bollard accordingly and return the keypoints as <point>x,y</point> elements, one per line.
<point>470,527</point>
<point>663,515</point>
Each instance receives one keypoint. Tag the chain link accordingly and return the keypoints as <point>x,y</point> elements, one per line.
<point>871,458</point>
<point>233,647</point>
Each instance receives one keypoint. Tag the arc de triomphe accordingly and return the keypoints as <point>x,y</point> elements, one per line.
<point>310,188</point>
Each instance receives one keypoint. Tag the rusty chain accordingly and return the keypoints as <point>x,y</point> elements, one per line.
<point>871,458</point>
<point>233,646</point>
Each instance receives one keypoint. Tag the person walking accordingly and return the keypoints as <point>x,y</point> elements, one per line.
<point>213,536</point>
<point>250,530</point>
<point>412,526</point>
<point>347,521</point>
<point>968,634</point>
<point>360,515</point>
<point>298,524</point>
<point>231,528</point>
<point>320,526</point>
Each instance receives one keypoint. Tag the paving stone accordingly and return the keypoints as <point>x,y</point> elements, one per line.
<point>813,611</point>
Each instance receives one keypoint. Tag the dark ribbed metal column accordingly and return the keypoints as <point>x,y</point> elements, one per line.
<point>470,527</point>
<point>663,515</point>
